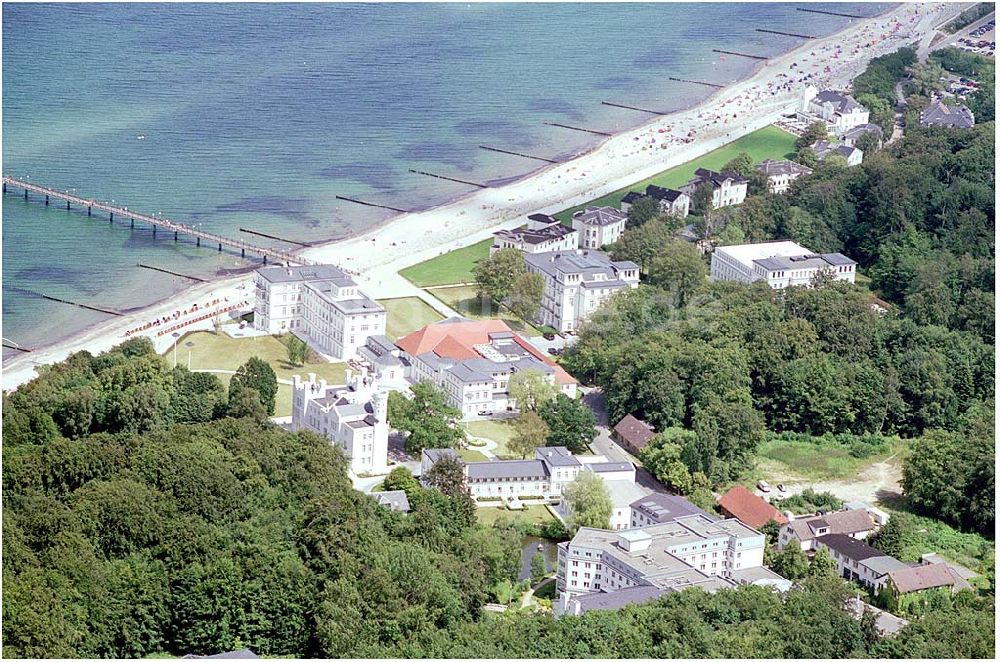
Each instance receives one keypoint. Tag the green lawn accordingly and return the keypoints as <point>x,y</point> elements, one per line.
<point>494,431</point>
<point>407,314</point>
<point>463,300</point>
<point>471,455</point>
<point>449,268</point>
<point>532,514</point>
<point>212,351</point>
<point>282,400</point>
<point>769,142</point>
<point>783,460</point>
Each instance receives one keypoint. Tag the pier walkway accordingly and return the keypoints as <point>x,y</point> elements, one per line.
<point>157,222</point>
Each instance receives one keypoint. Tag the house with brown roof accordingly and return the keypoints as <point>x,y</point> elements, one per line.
<point>633,434</point>
<point>858,561</point>
<point>914,584</point>
<point>749,508</point>
<point>857,524</point>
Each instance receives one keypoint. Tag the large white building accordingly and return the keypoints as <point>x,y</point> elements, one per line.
<point>601,569</point>
<point>779,263</point>
<point>839,109</point>
<point>576,283</point>
<point>472,362</point>
<point>320,304</point>
<point>542,234</point>
<point>727,188</point>
<point>781,173</point>
<point>599,226</point>
<point>353,417</point>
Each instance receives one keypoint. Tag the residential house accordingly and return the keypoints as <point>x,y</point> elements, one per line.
<point>542,234</point>
<point>824,148</point>
<point>385,361</point>
<point>321,304</point>
<point>599,226</point>
<point>472,362</point>
<point>781,173</point>
<point>857,524</point>
<point>689,552</point>
<point>727,188</point>
<point>747,507</point>
<point>859,562</point>
<point>961,571</point>
<point>577,283</point>
<point>941,114</point>
<point>633,434</point>
<point>851,137</point>
<point>839,109</point>
<point>671,201</point>
<point>913,584</point>
<point>780,264</point>
<point>393,500</point>
<point>353,417</point>
<point>659,508</point>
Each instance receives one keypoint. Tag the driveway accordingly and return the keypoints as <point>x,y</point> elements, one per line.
<point>878,482</point>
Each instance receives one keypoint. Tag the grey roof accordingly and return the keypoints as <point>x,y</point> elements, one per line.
<point>604,467</point>
<point>921,577</point>
<point>782,167</point>
<point>506,469</point>
<point>661,193</point>
<point>557,456</point>
<point>940,114</point>
<point>862,129</point>
<point>360,303</point>
<point>394,500</point>
<point>760,576</point>
<point>842,102</point>
<point>590,264</point>
<point>634,595</point>
<point>823,149</point>
<point>843,521</point>
<point>528,236</point>
<point>600,216</point>
<point>467,375</point>
<point>961,571</point>
<point>883,565</point>
<point>382,343</point>
<point>597,284</point>
<point>849,547</point>
<point>310,273</point>
<point>241,654</point>
<point>435,454</point>
<point>630,197</point>
<point>662,508</point>
<point>811,261</point>
<point>716,179</point>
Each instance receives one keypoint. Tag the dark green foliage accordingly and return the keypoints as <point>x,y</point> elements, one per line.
<point>642,244</point>
<point>537,567</point>
<point>889,538</point>
<point>883,73</point>
<point>571,423</point>
<point>815,131</point>
<point>791,562</point>
<point>642,210</point>
<point>257,375</point>
<point>428,417</point>
<point>808,502</point>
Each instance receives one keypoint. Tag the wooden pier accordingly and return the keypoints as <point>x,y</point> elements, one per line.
<point>372,204</point>
<point>829,13</point>
<point>697,82</point>
<point>168,271</point>
<point>787,34</point>
<point>524,156</point>
<point>177,228</point>
<point>752,57</point>
<point>450,179</point>
<point>578,128</point>
<point>641,110</point>
<point>276,237</point>
<point>49,297</point>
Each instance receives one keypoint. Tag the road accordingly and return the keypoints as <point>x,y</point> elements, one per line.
<point>927,42</point>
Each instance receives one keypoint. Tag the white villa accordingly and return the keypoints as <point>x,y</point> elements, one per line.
<point>727,188</point>
<point>353,417</point>
<point>671,201</point>
<point>471,361</point>
<point>601,569</point>
<point>321,304</point>
<point>779,263</point>
<point>576,283</point>
<point>839,109</point>
<point>542,234</point>
<point>599,226</point>
<point>780,174</point>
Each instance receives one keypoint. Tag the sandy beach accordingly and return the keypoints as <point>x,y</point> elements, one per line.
<point>376,256</point>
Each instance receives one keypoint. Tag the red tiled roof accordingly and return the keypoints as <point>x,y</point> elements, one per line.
<point>749,508</point>
<point>634,431</point>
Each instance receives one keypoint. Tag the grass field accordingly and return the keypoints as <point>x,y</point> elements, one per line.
<point>471,455</point>
<point>532,514</point>
<point>495,431</point>
<point>781,459</point>
<point>464,301</point>
<point>407,314</point>
<point>930,535</point>
<point>449,268</point>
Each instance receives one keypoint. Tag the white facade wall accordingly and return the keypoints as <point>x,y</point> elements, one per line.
<point>595,236</point>
<point>566,303</point>
<point>730,193</point>
<point>278,306</point>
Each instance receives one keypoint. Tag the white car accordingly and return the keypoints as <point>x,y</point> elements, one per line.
<point>763,486</point>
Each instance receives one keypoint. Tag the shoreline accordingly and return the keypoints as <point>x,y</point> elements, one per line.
<point>615,162</point>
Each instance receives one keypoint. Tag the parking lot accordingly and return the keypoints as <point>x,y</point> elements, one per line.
<point>979,38</point>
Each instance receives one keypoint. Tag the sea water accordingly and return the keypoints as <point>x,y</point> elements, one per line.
<point>229,116</point>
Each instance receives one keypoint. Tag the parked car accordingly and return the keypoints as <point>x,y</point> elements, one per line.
<point>555,351</point>
<point>781,488</point>
<point>763,486</point>
<point>549,336</point>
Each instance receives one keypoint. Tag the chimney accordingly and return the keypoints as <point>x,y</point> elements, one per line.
<point>322,385</point>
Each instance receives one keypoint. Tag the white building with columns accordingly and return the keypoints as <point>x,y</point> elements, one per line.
<point>353,417</point>
<point>780,264</point>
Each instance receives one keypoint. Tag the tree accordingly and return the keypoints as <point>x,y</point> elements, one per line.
<point>400,478</point>
<point>881,113</point>
<point>925,78</point>
<point>588,501</point>
<point>244,402</point>
<point>641,211</point>
<point>538,569</point>
<point>770,531</point>
<point>822,564</point>
<point>642,244</point>
<point>427,417</point>
<point>525,296</point>
<point>889,539</point>
<point>495,275</point>
<point>731,235</point>
<point>530,432</point>
<point>447,476</point>
<point>815,131</point>
<point>256,374</point>
<point>662,457</point>
<point>835,161</point>
<point>298,350</point>
<point>807,157</point>
<point>680,270</point>
<point>741,164</point>
<point>530,389</point>
<point>570,423</point>
<point>701,199</point>
<point>791,562</point>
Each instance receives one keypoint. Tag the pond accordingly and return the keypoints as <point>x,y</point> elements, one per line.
<point>529,547</point>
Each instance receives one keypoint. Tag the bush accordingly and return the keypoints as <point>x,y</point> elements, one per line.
<point>809,501</point>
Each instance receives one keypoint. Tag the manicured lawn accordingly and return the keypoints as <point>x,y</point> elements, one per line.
<point>282,400</point>
<point>471,455</point>
<point>532,514</point>
<point>220,352</point>
<point>769,142</point>
<point>464,301</point>
<point>407,314</point>
<point>781,459</point>
<point>494,431</point>
<point>449,268</point>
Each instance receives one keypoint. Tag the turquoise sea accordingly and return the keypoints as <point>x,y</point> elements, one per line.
<point>258,115</point>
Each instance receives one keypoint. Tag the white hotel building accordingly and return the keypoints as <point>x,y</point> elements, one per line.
<point>320,304</point>
<point>780,264</point>
<point>353,417</point>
